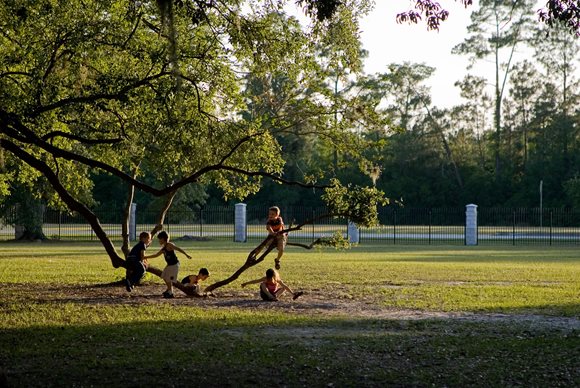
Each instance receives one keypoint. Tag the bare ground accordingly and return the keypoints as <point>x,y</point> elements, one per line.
<point>312,303</point>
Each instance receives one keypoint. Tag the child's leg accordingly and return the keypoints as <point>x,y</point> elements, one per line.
<point>279,292</point>
<point>265,293</point>
<point>280,245</point>
<point>137,272</point>
<point>169,285</point>
<point>169,274</point>
<point>295,295</point>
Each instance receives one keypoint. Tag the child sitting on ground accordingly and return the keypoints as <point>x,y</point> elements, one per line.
<point>193,281</point>
<point>271,286</point>
<point>171,271</point>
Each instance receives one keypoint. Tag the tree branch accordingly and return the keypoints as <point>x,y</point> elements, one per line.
<point>80,139</point>
<point>120,95</point>
<point>268,244</point>
<point>68,199</point>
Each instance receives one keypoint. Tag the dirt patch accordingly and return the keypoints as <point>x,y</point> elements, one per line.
<point>312,303</point>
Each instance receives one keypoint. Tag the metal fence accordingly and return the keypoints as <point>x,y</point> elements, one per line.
<point>528,226</point>
<point>496,226</point>
<point>417,226</point>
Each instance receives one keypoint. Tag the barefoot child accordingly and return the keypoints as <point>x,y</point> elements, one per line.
<point>193,280</point>
<point>274,225</point>
<point>271,286</point>
<point>137,262</point>
<point>171,271</point>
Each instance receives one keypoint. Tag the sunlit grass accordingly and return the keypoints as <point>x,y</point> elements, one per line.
<point>431,278</point>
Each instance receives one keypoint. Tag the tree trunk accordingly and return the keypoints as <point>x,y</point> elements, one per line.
<point>29,218</point>
<point>163,213</point>
<point>127,216</point>
<point>269,243</point>
<point>68,199</point>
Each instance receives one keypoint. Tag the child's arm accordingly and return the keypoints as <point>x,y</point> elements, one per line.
<point>174,247</point>
<point>143,257</point>
<point>284,286</point>
<point>255,281</point>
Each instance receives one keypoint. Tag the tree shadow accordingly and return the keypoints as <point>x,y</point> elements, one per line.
<point>229,349</point>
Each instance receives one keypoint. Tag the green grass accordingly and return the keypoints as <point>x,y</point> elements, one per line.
<point>63,324</point>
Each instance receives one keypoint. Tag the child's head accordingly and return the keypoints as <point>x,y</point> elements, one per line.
<point>203,274</point>
<point>145,237</point>
<point>163,237</point>
<point>272,274</point>
<point>274,212</point>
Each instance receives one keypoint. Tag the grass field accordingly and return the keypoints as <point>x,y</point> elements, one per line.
<point>371,316</point>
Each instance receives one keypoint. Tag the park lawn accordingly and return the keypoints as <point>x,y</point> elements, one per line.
<point>55,330</point>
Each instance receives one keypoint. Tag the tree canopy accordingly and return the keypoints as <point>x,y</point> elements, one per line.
<point>112,86</point>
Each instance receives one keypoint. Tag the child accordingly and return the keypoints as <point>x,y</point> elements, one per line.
<point>274,225</point>
<point>170,271</point>
<point>136,261</point>
<point>193,280</point>
<point>271,286</point>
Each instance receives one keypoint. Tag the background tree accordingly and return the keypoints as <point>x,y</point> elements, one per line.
<point>497,26</point>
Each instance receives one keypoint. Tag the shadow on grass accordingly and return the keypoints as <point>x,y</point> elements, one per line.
<point>237,341</point>
<point>235,351</point>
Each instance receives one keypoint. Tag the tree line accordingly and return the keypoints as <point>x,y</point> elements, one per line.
<point>514,139</point>
<point>179,103</point>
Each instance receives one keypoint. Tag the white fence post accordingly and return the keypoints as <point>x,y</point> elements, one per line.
<point>240,227</point>
<point>471,224</point>
<point>133,222</point>
<point>353,233</point>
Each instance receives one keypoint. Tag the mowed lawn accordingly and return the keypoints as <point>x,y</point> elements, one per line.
<point>370,316</point>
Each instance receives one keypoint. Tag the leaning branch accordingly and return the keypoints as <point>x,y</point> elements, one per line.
<point>256,256</point>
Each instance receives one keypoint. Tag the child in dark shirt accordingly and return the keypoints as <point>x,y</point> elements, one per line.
<point>137,262</point>
<point>193,280</point>
<point>171,270</point>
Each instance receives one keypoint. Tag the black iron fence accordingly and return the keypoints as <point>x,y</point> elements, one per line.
<point>417,226</point>
<point>528,226</point>
<point>496,226</point>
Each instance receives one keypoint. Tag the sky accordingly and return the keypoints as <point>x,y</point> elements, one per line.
<point>389,42</point>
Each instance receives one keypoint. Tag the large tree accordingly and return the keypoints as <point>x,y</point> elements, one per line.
<point>111,86</point>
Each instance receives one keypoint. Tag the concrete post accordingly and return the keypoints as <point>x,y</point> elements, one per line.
<point>240,227</point>
<point>353,233</point>
<point>133,222</point>
<point>471,224</point>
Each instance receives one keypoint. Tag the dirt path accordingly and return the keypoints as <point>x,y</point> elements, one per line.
<point>317,303</point>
